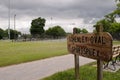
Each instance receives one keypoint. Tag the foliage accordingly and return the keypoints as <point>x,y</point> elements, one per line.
<point>115,27</point>
<point>105,24</point>
<point>56,32</point>
<point>115,30</point>
<point>110,17</point>
<point>117,11</point>
<point>37,27</point>
<point>110,24</point>
<point>84,31</point>
<point>13,33</point>
<point>1,33</point>
<point>81,30</point>
<point>117,0</point>
<point>78,30</point>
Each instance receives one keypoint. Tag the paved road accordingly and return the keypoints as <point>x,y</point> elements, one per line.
<point>39,69</point>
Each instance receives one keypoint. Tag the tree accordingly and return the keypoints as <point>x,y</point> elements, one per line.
<point>78,30</point>
<point>115,13</point>
<point>117,0</point>
<point>115,30</point>
<point>1,33</point>
<point>105,23</point>
<point>84,31</point>
<point>49,32</point>
<point>13,33</point>
<point>56,32</point>
<point>110,24</point>
<point>37,27</point>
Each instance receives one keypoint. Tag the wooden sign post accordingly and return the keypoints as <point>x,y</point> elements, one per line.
<point>76,57</point>
<point>92,45</point>
<point>99,61</point>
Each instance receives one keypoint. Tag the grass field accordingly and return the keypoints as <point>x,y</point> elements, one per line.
<point>116,42</point>
<point>19,52</point>
<point>87,72</point>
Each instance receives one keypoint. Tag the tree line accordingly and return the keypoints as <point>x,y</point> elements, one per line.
<point>13,34</point>
<point>37,31</point>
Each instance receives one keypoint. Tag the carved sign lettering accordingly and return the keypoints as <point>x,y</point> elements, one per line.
<point>95,46</point>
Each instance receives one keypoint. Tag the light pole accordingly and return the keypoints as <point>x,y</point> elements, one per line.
<point>14,26</point>
<point>9,20</point>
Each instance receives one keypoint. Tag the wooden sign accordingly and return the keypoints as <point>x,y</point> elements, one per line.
<point>91,45</point>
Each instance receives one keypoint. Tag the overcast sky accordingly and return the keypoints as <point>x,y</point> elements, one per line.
<point>66,13</point>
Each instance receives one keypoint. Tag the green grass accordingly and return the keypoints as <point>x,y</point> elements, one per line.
<point>19,52</point>
<point>87,72</point>
<point>116,42</point>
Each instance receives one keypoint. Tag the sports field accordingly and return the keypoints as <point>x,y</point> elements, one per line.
<point>19,52</point>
